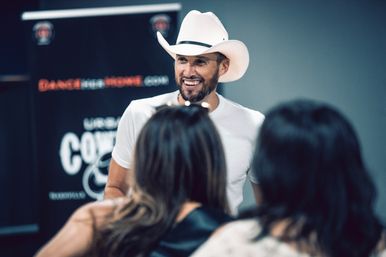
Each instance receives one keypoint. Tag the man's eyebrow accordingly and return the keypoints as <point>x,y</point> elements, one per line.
<point>203,57</point>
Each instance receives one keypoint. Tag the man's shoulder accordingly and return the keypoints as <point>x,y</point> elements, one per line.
<point>141,109</point>
<point>240,111</point>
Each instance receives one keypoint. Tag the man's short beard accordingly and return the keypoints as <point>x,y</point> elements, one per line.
<point>212,85</point>
<point>196,98</point>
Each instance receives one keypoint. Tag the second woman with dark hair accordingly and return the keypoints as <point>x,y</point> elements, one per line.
<point>177,197</point>
<point>317,197</point>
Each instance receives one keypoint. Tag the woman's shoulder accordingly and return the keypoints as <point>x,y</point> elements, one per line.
<point>230,239</point>
<point>98,211</point>
<point>214,215</point>
<point>238,238</point>
<point>201,218</point>
<point>245,229</point>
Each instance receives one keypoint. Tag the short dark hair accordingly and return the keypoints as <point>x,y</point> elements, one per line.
<point>309,167</point>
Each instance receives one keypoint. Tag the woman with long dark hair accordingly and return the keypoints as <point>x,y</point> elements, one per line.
<point>177,194</point>
<point>317,197</point>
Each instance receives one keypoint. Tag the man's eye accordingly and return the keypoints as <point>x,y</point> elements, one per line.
<point>181,60</point>
<point>200,62</point>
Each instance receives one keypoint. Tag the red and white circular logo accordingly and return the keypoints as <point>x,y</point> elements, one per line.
<point>43,32</point>
<point>161,23</point>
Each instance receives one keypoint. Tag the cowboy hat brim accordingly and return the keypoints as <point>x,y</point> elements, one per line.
<point>234,50</point>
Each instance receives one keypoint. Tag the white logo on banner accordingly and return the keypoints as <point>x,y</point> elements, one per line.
<point>93,148</point>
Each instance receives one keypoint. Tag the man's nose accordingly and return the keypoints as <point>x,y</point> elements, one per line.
<point>189,69</point>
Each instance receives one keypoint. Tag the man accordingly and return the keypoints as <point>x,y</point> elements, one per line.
<point>203,57</point>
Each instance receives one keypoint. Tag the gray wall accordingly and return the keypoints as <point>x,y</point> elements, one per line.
<point>334,51</point>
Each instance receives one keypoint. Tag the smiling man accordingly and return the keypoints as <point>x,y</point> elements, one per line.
<point>204,56</point>
<point>197,77</point>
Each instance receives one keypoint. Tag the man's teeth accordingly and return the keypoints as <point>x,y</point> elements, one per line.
<point>191,82</point>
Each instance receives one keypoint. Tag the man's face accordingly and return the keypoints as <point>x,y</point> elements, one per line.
<point>196,76</point>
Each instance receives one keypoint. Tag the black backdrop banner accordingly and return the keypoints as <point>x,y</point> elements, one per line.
<point>86,67</point>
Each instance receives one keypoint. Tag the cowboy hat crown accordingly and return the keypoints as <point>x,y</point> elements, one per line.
<point>203,33</point>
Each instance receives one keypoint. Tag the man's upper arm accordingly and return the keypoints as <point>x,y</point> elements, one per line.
<point>256,192</point>
<point>117,185</point>
<point>117,182</point>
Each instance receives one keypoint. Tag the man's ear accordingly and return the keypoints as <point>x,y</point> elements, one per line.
<point>224,66</point>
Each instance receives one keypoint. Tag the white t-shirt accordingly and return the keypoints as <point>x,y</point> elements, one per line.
<point>237,126</point>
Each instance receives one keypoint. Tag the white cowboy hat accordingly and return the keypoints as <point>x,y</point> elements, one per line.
<point>203,33</point>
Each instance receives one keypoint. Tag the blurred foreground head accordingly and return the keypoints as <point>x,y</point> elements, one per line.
<point>179,157</point>
<point>310,171</point>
